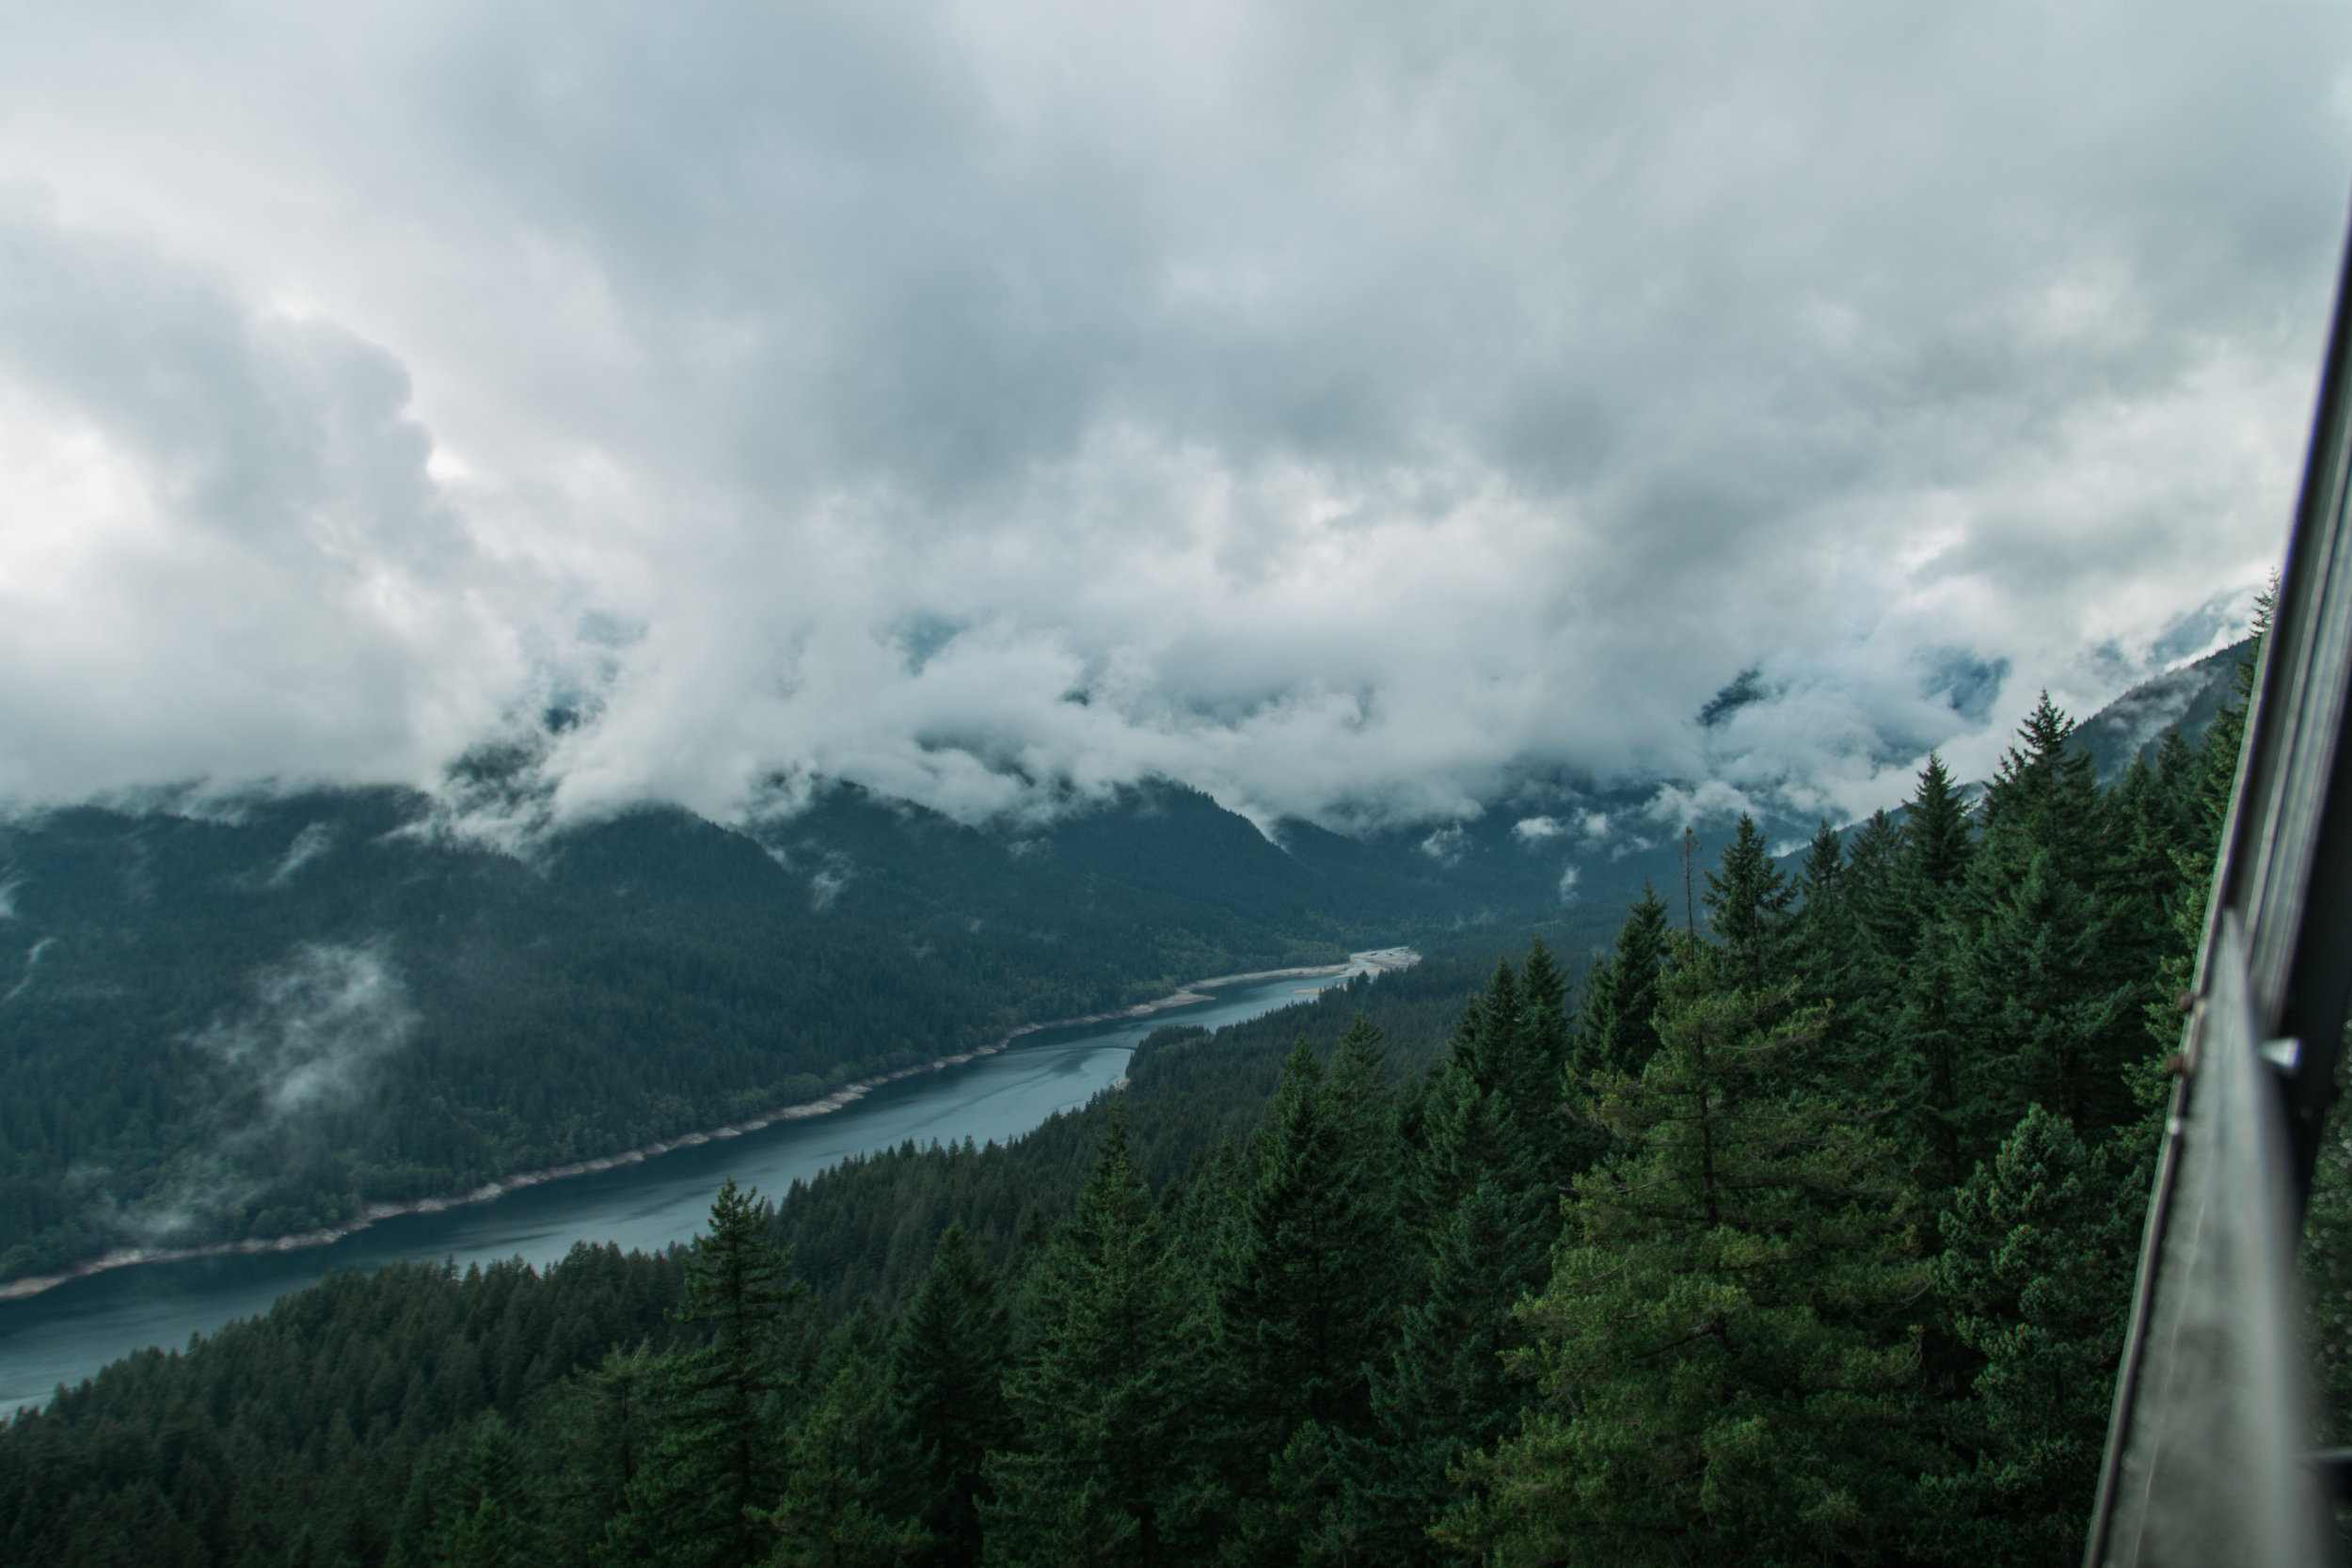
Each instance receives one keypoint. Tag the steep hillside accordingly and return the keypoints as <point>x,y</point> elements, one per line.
<point>2185,699</point>
<point>258,1021</point>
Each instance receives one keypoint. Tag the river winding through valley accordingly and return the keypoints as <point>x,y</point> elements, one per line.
<point>68,1333</point>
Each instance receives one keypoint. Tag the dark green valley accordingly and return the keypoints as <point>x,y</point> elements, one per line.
<point>1797,1230</point>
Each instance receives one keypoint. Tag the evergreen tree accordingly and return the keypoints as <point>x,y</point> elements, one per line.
<point>1109,1391</point>
<point>2048,1016</point>
<point>1933,1067</point>
<point>1449,1390</point>
<point>2226,738</point>
<point>1475,1137</point>
<point>601,1431</point>
<point>1483,1191</point>
<point>2148,822</point>
<point>1824,938</point>
<point>1884,929</point>
<point>1618,1030</point>
<point>1362,1105</point>
<point>1824,867</point>
<point>1542,1055</point>
<point>690,1502</point>
<point>1940,1080</point>
<point>1721,1348</point>
<point>490,1529</point>
<point>1936,835</point>
<point>1561,1139</point>
<point>1542,988</point>
<point>1488,1040</point>
<point>2038,1273</point>
<point>1305,1312</point>
<point>1300,1519</point>
<point>947,1365</point>
<point>2050,990</point>
<point>835,1511</point>
<point>2203,785</point>
<point>1747,903</point>
<point>2044,799</point>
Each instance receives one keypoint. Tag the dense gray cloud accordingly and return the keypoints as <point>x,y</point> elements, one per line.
<point>1348,410</point>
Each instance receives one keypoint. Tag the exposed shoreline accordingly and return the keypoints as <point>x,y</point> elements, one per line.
<point>1378,961</point>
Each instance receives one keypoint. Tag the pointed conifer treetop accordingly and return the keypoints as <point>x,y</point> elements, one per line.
<point>1620,1030</point>
<point>1486,1039</point>
<point>1512,1039</point>
<point>2045,796</point>
<point>1824,948</point>
<point>947,1364</point>
<point>1309,1283</point>
<point>738,1281</point>
<point>1109,1386</point>
<point>1936,831</point>
<point>1540,982</point>
<point>1361,1104</point>
<point>1541,1047</point>
<point>2226,736</point>
<point>1824,863</point>
<point>1721,1352</point>
<point>1748,902</point>
<point>688,1505</point>
<point>1359,1069</point>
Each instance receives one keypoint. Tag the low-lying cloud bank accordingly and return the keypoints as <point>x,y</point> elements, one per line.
<point>1344,411</point>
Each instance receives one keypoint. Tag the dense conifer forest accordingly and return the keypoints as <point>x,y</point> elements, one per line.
<point>255,1023</point>
<point>1799,1229</point>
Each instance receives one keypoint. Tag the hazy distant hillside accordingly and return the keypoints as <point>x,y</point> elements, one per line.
<point>259,1019</point>
<point>2184,700</point>
<point>257,1023</point>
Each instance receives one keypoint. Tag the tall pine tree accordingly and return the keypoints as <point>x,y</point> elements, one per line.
<point>1109,1391</point>
<point>691,1503</point>
<point>1306,1304</point>
<point>947,1364</point>
<point>1747,904</point>
<point>1618,1029</point>
<point>2042,1245</point>
<point>836,1508</point>
<point>1721,1348</point>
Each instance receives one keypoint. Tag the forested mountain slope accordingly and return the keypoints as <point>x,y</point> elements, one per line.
<point>255,1023</point>
<point>2184,700</point>
<point>254,1019</point>
<point>1806,1240</point>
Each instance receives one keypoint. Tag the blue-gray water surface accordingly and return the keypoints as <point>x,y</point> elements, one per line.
<point>67,1334</point>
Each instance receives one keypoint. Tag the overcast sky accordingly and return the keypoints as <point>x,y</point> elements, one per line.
<point>1343,407</point>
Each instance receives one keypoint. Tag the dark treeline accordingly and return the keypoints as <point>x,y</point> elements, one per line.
<point>1805,1238</point>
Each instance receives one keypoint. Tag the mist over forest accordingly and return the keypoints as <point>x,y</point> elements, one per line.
<point>577,583</point>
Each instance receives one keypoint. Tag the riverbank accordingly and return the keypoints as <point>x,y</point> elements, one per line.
<point>1378,961</point>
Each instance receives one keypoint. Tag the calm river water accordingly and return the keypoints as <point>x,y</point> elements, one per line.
<point>67,1334</point>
